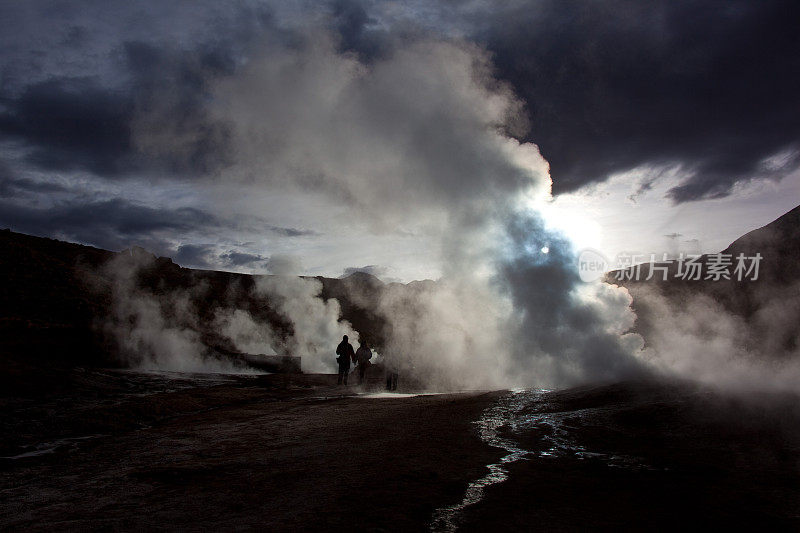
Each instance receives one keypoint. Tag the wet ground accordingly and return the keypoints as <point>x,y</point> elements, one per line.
<point>637,456</point>
<point>121,450</point>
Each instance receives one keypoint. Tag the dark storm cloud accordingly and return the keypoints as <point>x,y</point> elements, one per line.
<point>170,91</point>
<point>290,232</point>
<point>195,255</point>
<point>15,187</point>
<point>110,224</point>
<point>71,124</point>
<point>121,90</point>
<point>356,29</point>
<point>78,124</point>
<point>208,256</point>
<point>610,86</point>
<point>12,186</point>
<point>118,223</point>
<point>243,259</point>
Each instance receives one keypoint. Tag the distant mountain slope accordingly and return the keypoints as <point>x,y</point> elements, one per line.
<point>55,296</point>
<point>778,243</point>
<point>769,306</point>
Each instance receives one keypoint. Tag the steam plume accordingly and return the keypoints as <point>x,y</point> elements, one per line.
<point>420,139</point>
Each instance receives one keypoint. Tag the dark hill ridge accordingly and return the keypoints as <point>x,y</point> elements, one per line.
<point>55,296</point>
<point>778,243</point>
<point>45,307</point>
<point>777,286</point>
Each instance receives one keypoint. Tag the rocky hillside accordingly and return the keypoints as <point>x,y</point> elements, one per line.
<point>776,285</point>
<point>56,297</point>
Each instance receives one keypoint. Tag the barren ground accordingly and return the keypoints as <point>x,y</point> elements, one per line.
<point>271,453</point>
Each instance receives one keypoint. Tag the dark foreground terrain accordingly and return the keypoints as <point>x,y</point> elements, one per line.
<point>129,451</point>
<point>269,452</point>
<point>644,457</point>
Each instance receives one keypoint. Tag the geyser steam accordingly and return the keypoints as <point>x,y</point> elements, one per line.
<point>420,140</point>
<point>161,328</point>
<point>154,332</point>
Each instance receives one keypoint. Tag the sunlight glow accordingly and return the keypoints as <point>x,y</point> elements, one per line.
<point>570,216</point>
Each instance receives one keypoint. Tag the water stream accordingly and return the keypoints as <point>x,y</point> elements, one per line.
<point>524,412</point>
<point>494,418</point>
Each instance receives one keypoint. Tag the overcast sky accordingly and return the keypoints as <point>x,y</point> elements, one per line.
<point>226,135</point>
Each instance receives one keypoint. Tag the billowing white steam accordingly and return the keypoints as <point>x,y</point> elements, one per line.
<point>420,139</point>
<point>316,325</point>
<point>701,340</point>
<point>246,334</point>
<point>162,330</point>
<point>155,333</point>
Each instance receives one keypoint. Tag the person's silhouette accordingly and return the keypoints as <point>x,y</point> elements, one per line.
<point>345,354</point>
<point>392,370</point>
<point>363,355</point>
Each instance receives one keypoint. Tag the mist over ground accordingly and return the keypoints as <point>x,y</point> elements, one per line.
<point>739,334</point>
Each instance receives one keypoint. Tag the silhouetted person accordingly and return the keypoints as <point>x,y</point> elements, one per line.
<point>391,379</point>
<point>392,371</point>
<point>363,355</point>
<point>345,354</point>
